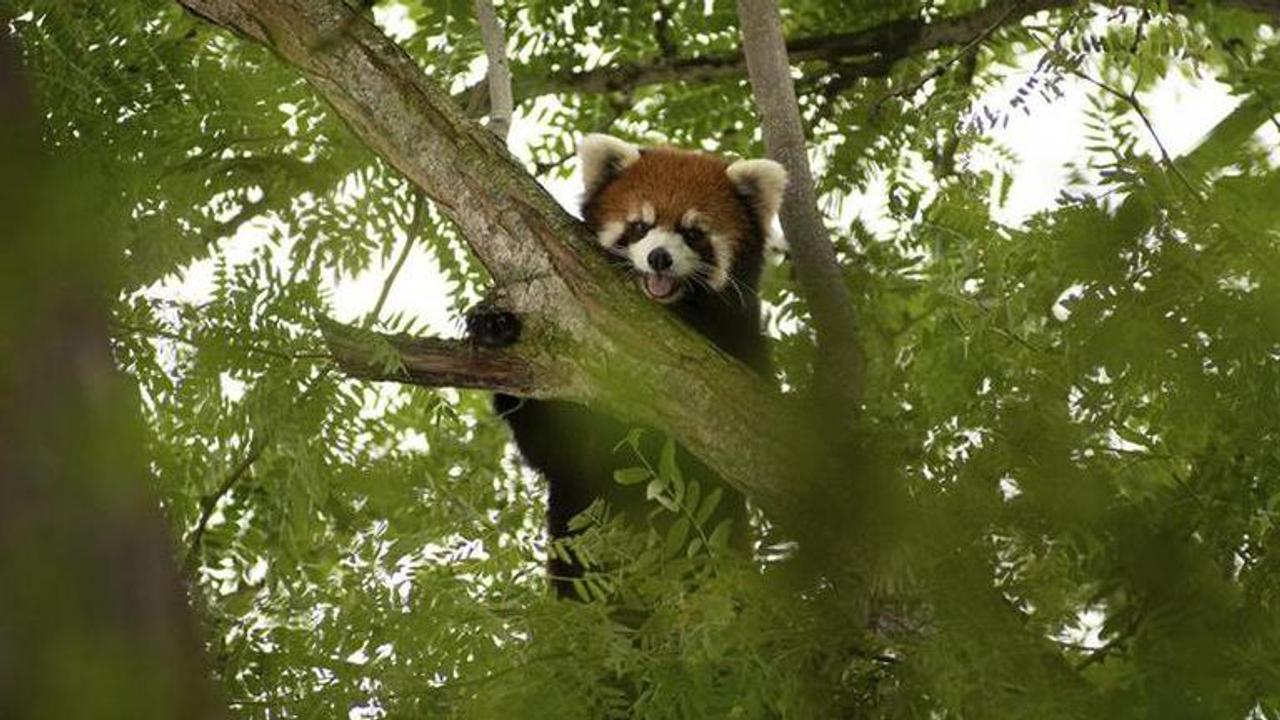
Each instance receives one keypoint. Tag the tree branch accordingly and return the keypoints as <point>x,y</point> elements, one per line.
<point>864,53</point>
<point>838,375</point>
<point>499,74</point>
<point>432,362</point>
<point>968,51</point>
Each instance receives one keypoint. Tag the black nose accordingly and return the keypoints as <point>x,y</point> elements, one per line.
<point>659,259</point>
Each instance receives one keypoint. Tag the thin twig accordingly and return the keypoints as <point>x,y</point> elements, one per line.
<point>1130,99</point>
<point>210,502</point>
<point>939,70</point>
<point>418,224</point>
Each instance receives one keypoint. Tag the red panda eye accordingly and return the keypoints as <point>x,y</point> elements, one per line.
<point>693,236</point>
<point>636,229</point>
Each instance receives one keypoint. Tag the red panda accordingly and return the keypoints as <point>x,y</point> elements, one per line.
<point>691,228</point>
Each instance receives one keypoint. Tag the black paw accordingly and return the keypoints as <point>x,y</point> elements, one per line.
<point>488,327</point>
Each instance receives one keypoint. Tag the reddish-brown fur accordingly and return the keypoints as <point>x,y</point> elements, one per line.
<point>674,182</point>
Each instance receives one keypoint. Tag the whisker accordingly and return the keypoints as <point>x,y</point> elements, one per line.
<point>738,286</point>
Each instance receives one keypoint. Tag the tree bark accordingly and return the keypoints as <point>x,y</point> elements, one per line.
<point>588,337</point>
<point>838,371</point>
<point>498,76</point>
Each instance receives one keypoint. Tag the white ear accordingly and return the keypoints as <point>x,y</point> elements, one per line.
<point>763,181</point>
<point>603,157</point>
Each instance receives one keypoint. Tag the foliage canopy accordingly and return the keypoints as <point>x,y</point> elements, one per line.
<point>1083,405</point>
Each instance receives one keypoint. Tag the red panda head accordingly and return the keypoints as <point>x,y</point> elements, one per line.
<point>681,219</point>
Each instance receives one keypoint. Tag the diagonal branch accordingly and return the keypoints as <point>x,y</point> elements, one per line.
<point>969,51</point>
<point>417,224</point>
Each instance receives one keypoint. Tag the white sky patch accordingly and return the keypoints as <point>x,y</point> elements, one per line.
<point>1062,306</point>
<point>232,389</point>
<point>1009,488</point>
<point>1183,111</point>
<point>394,20</point>
<point>1086,633</point>
<point>1052,137</point>
<point>421,291</point>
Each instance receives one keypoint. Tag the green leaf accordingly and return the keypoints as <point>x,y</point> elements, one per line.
<point>709,504</point>
<point>631,476</point>
<point>676,536</point>
<point>719,538</point>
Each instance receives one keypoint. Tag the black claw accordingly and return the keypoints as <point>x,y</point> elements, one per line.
<point>492,328</point>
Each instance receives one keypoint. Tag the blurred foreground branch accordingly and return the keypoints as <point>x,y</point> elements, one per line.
<point>94,620</point>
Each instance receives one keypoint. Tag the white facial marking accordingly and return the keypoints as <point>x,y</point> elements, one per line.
<point>647,213</point>
<point>722,250</point>
<point>610,233</point>
<point>684,261</point>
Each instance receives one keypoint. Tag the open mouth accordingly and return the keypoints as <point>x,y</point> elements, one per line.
<point>662,288</point>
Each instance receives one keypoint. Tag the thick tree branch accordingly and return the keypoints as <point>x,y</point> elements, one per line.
<point>432,362</point>
<point>865,53</point>
<point>838,375</point>
<point>588,336</point>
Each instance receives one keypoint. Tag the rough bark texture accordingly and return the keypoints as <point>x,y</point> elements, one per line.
<point>589,337</point>
<point>838,375</point>
<point>865,53</point>
<point>94,619</point>
<point>441,363</point>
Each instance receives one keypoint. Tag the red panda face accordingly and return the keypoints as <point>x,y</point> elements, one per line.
<point>681,220</point>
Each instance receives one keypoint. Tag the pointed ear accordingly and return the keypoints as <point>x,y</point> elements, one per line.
<point>762,182</point>
<point>602,158</point>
